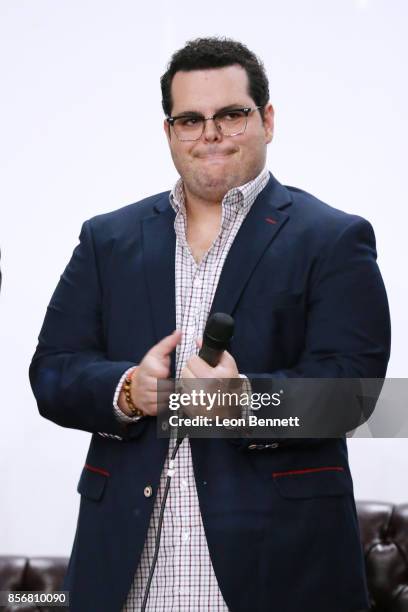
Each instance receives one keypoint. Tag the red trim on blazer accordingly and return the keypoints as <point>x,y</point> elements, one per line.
<point>309,471</point>
<point>270,220</point>
<point>97,470</point>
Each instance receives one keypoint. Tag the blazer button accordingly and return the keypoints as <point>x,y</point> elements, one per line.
<point>252,446</point>
<point>148,491</point>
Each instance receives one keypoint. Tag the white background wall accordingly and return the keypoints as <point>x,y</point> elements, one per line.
<point>81,133</point>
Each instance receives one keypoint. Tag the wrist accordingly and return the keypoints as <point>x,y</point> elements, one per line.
<point>127,397</point>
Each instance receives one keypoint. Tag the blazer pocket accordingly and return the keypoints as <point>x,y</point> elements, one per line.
<point>92,482</point>
<point>330,481</point>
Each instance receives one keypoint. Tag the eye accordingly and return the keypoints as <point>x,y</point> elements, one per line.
<point>232,115</point>
<point>188,121</point>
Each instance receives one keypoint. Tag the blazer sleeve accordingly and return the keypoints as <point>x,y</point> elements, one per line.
<point>72,379</point>
<point>348,329</point>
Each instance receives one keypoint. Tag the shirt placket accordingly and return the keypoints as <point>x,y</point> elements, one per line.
<point>184,578</point>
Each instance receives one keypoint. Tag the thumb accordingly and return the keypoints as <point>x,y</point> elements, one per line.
<point>226,359</point>
<point>166,345</point>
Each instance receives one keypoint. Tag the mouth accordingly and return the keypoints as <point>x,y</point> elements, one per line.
<point>215,156</point>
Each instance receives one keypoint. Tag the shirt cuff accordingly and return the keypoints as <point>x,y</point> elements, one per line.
<point>246,410</point>
<point>246,386</point>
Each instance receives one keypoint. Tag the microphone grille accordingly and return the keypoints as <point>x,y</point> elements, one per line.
<point>220,327</point>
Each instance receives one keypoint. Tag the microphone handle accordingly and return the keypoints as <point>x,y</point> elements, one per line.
<point>210,355</point>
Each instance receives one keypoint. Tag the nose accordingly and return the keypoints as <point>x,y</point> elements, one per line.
<point>211,133</point>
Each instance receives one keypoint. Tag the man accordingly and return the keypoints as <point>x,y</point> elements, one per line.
<point>250,524</point>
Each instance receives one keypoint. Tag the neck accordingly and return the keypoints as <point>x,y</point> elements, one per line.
<point>200,209</point>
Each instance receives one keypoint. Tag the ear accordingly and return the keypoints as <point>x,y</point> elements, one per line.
<point>167,130</point>
<point>269,122</point>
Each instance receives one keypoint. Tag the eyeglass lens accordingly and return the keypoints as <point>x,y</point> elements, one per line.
<point>229,123</point>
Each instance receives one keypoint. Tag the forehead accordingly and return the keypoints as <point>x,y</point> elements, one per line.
<point>209,89</point>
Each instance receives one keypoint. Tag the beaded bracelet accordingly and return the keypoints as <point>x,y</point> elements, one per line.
<point>126,389</point>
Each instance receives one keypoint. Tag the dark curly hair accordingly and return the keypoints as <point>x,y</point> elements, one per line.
<point>216,52</point>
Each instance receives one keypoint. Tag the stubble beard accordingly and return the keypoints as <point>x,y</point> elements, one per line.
<point>206,186</point>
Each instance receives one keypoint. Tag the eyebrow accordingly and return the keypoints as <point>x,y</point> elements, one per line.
<point>220,110</point>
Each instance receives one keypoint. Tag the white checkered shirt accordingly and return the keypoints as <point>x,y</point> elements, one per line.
<point>184,579</point>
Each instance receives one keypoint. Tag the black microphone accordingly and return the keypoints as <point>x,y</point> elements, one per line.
<point>217,335</point>
<point>218,332</point>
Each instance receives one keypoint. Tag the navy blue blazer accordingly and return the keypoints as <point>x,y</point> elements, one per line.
<point>301,278</point>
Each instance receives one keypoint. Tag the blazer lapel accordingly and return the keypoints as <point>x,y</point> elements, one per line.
<point>159,244</point>
<point>260,227</point>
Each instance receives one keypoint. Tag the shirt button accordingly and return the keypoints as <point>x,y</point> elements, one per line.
<point>148,491</point>
<point>183,591</point>
<point>197,282</point>
<point>185,536</point>
<point>183,484</point>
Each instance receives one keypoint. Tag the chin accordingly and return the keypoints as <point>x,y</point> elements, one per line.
<point>216,186</point>
<point>219,177</point>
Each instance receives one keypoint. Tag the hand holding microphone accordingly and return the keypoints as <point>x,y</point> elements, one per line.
<point>213,360</point>
<point>215,364</point>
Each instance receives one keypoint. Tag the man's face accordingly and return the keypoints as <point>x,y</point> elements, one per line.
<point>214,164</point>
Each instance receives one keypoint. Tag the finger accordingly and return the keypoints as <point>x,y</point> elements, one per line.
<point>166,386</point>
<point>161,385</point>
<point>167,345</point>
<point>227,361</point>
<point>199,342</point>
<point>200,368</point>
<point>152,402</point>
<point>145,382</point>
<point>187,373</point>
<point>155,366</point>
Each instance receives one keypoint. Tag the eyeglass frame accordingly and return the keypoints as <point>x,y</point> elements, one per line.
<point>246,109</point>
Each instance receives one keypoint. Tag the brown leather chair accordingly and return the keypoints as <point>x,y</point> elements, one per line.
<point>31,574</point>
<point>384,535</point>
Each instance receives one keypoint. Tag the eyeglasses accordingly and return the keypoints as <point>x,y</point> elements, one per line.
<point>229,122</point>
